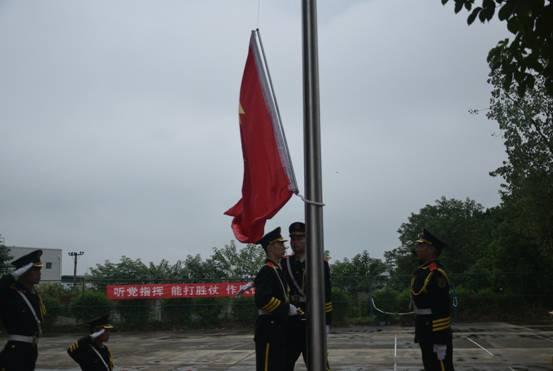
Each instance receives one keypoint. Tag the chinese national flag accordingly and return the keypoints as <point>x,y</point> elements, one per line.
<point>269,179</point>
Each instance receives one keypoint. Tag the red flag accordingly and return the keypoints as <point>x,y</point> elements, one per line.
<point>269,179</point>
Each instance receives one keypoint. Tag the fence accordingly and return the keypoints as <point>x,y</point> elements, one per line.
<point>69,306</point>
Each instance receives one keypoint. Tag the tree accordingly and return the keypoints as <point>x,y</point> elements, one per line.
<point>126,271</point>
<point>458,223</point>
<point>526,123</point>
<point>529,54</point>
<point>353,282</point>
<point>360,274</point>
<point>236,264</point>
<point>4,256</point>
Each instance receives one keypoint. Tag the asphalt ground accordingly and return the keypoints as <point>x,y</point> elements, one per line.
<point>477,346</point>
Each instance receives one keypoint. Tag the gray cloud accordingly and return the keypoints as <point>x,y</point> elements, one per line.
<point>119,126</point>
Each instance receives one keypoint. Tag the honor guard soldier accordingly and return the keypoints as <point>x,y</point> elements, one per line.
<point>90,352</point>
<point>430,296</point>
<point>294,272</point>
<point>273,306</point>
<point>22,313</point>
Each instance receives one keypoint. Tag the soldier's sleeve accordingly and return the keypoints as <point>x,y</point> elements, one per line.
<point>79,349</point>
<point>266,283</point>
<point>328,294</point>
<point>440,304</point>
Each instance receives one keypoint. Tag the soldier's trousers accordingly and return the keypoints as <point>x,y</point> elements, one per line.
<point>296,342</point>
<point>431,361</point>
<point>270,341</point>
<point>18,356</point>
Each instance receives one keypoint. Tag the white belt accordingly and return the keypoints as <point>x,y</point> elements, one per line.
<point>23,339</point>
<point>424,311</point>
<point>262,312</point>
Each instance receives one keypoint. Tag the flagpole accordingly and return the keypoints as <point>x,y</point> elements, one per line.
<point>316,334</point>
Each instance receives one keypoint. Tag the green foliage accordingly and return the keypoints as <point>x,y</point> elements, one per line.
<point>529,54</point>
<point>177,312</point>
<point>53,310</point>
<point>343,307</point>
<point>209,312</point>
<point>489,304</point>
<point>234,263</point>
<point>135,313</point>
<point>527,126</point>
<point>126,271</point>
<point>360,274</point>
<point>387,300</point>
<point>4,256</point>
<point>226,263</point>
<point>487,253</point>
<point>244,310</point>
<point>89,305</point>
<point>461,224</point>
<point>62,296</point>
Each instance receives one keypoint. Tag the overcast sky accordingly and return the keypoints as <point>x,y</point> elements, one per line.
<point>119,130</point>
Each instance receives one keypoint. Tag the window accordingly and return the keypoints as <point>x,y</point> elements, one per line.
<point>48,265</point>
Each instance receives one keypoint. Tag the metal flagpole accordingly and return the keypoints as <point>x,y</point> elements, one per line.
<point>316,334</point>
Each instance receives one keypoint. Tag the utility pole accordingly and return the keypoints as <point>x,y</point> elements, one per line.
<point>75,255</point>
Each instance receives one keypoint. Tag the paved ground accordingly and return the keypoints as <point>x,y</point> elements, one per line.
<point>490,346</point>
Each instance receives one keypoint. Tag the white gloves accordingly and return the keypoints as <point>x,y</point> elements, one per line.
<point>22,270</point>
<point>440,351</point>
<point>97,334</point>
<point>292,310</point>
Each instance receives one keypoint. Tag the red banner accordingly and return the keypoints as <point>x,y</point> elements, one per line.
<point>176,291</point>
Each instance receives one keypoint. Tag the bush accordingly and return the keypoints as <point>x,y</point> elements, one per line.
<point>53,311</point>
<point>387,300</point>
<point>342,305</point>
<point>89,305</point>
<point>209,312</point>
<point>62,296</point>
<point>489,304</point>
<point>135,312</point>
<point>177,312</point>
<point>244,310</point>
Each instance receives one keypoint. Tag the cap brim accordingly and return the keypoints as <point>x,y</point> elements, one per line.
<point>37,265</point>
<point>297,234</point>
<point>423,241</point>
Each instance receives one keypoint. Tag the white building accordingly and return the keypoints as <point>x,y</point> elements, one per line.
<point>51,260</point>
